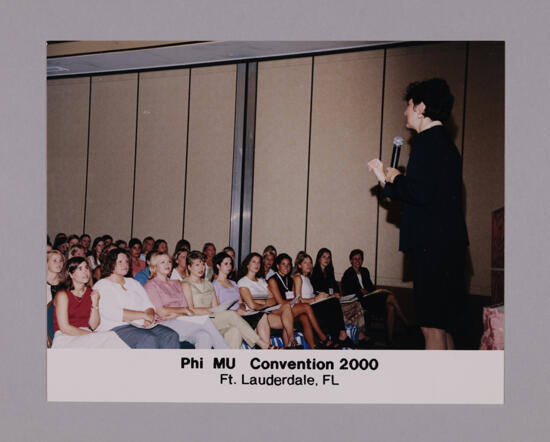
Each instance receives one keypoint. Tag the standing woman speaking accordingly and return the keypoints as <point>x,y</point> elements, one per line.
<point>432,223</point>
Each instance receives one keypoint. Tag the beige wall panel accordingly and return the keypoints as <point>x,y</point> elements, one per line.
<point>66,154</point>
<point>403,66</point>
<point>281,155</point>
<point>347,93</point>
<point>160,161</point>
<point>210,156</point>
<point>111,158</point>
<point>483,155</point>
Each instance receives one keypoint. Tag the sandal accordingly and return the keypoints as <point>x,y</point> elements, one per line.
<point>326,344</point>
<point>293,345</point>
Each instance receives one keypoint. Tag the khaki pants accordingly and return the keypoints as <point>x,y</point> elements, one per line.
<point>234,329</point>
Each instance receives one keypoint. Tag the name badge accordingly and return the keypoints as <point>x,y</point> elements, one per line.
<point>289,294</point>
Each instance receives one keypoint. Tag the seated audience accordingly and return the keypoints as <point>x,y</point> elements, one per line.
<point>209,250</point>
<point>77,250</point>
<point>125,308</point>
<point>356,280</point>
<point>161,246</point>
<point>328,312</point>
<point>227,291</point>
<point>281,285</point>
<point>76,314</point>
<point>60,243</point>
<point>121,244</point>
<point>54,277</point>
<point>231,252</point>
<point>97,248</point>
<point>179,261</point>
<point>268,263</point>
<point>135,251</point>
<point>201,297</point>
<point>107,239</point>
<point>146,246</point>
<point>143,276</point>
<point>323,281</point>
<point>172,308</point>
<point>257,296</point>
<point>85,241</point>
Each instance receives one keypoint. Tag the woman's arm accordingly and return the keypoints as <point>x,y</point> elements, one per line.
<point>94,315</point>
<point>189,297</point>
<point>61,303</point>
<point>254,304</point>
<point>274,289</point>
<point>173,312</point>
<point>298,291</point>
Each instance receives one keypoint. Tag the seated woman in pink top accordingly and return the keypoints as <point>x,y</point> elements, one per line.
<point>227,291</point>
<point>172,308</point>
<point>135,252</point>
<point>76,314</point>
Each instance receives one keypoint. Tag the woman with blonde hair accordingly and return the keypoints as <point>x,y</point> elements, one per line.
<point>201,298</point>
<point>54,277</point>
<point>173,310</point>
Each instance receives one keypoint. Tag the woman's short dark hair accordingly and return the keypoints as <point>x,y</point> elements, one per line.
<point>70,266</point>
<point>280,258</point>
<point>243,269</point>
<point>157,244</point>
<point>106,237</point>
<point>218,259</point>
<point>109,261</point>
<point>133,242</point>
<point>60,239</point>
<point>206,245</point>
<point>194,255</point>
<point>436,96</point>
<point>119,243</point>
<point>356,252</point>
<point>183,243</point>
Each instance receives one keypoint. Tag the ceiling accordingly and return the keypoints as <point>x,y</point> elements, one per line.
<point>200,53</point>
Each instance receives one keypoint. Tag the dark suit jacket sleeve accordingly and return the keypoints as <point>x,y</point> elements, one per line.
<point>350,284</point>
<point>418,187</point>
<point>367,282</point>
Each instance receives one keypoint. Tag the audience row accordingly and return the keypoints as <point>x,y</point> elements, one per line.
<point>135,295</point>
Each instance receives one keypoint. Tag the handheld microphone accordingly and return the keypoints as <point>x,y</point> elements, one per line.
<point>397,143</point>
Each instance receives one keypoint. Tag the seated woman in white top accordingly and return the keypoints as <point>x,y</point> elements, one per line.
<point>76,314</point>
<point>201,298</point>
<point>125,308</point>
<point>227,291</point>
<point>257,296</point>
<point>281,285</point>
<point>329,312</point>
<point>179,263</point>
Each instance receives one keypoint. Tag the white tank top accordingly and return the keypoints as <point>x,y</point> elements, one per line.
<point>307,288</point>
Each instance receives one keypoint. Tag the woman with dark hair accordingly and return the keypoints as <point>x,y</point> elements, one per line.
<point>125,308</point>
<point>54,276</point>
<point>183,244</point>
<point>172,308</point>
<point>256,295</point>
<point>209,250</point>
<point>432,224</point>
<point>227,291</point>
<point>356,280</point>
<point>179,263</point>
<point>329,311</point>
<point>85,241</point>
<point>135,251</point>
<point>324,282</point>
<point>201,298</point>
<point>76,315</point>
<point>60,243</point>
<point>160,246</point>
<point>281,285</point>
<point>231,252</point>
<point>107,240</point>
<point>268,264</point>
<point>97,249</point>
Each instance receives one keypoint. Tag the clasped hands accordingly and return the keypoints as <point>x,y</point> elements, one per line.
<point>376,167</point>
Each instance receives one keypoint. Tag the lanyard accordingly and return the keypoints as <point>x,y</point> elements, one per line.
<point>282,282</point>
